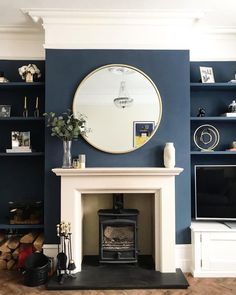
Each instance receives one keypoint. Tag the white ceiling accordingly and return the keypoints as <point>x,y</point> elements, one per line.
<point>216,12</point>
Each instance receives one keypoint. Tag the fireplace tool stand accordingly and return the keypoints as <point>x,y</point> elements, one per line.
<point>65,262</point>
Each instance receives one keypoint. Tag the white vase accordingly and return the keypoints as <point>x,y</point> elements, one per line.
<point>169,155</point>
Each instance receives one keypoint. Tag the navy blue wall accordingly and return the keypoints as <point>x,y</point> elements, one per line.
<point>169,69</point>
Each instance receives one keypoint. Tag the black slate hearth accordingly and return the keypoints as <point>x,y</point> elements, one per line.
<point>95,276</point>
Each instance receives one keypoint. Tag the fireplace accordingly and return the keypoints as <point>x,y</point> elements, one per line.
<point>75,183</point>
<point>118,230</point>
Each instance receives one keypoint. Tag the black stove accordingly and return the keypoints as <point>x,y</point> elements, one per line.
<point>118,233</point>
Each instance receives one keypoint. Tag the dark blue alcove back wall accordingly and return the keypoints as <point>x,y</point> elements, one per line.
<point>169,69</point>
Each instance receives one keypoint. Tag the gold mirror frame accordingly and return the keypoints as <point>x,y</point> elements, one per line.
<point>83,94</point>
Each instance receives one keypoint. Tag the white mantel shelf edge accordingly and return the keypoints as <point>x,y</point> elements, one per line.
<point>118,171</point>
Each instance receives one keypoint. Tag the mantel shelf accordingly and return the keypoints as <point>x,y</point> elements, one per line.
<point>118,171</point>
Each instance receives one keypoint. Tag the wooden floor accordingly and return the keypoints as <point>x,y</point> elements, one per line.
<point>11,284</point>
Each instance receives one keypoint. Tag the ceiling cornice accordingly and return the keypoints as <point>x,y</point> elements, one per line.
<point>116,16</point>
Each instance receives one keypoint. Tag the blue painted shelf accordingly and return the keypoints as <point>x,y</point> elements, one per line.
<point>21,226</point>
<point>21,84</point>
<point>219,118</point>
<point>213,153</point>
<point>33,154</point>
<point>213,86</point>
<point>22,118</point>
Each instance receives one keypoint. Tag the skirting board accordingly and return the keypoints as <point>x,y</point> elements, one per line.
<point>182,254</point>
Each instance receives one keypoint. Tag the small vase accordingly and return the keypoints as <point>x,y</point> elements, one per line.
<point>169,155</point>
<point>29,78</point>
<point>67,162</point>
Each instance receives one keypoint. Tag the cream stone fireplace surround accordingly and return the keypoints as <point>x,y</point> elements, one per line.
<point>158,181</point>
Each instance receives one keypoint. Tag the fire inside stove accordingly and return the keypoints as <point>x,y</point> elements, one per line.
<point>118,237</point>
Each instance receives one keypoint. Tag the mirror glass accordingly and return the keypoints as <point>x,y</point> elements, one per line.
<point>122,106</point>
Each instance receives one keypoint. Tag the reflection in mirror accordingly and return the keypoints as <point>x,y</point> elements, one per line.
<point>122,105</point>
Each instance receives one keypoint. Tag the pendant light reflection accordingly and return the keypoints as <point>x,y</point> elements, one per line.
<point>123,100</point>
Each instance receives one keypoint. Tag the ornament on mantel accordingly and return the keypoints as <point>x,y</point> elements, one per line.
<point>169,155</point>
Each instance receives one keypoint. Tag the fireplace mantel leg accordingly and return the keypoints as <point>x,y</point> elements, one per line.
<point>165,228</point>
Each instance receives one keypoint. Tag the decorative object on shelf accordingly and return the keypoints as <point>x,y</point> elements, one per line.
<point>26,212</point>
<point>28,73</point>
<point>36,110</point>
<point>5,111</point>
<point>232,147</point>
<point>206,137</point>
<point>68,128</point>
<point>232,107</point>
<point>2,78</point>
<point>20,142</point>
<point>207,75</point>
<point>169,155</point>
<point>65,262</point>
<point>75,163</point>
<point>82,161</point>
<point>201,112</point>
<point>142,132</point>
<point>25,110</point>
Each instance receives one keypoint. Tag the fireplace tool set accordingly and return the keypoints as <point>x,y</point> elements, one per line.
<point>65,262</point>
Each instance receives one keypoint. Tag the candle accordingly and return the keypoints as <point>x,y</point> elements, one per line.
<point>25,103</point>
<point>37,103</point>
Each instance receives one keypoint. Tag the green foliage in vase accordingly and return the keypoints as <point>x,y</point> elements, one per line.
<point>66,126</point>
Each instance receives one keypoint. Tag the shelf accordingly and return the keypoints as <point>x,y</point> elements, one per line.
<point>21,226</point>
<point>213,118</point>
<point>212,153</point>
<point>21,84</point>
<point>213,86</point>
<point>22,119</point>
<point>33,154</point>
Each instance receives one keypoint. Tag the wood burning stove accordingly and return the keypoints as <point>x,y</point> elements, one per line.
<point>118,233</point>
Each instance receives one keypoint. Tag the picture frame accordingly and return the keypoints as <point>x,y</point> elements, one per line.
<point>142,131</point>
<point>20,139</point>
<point>5,111</point>
<point>207,75</point>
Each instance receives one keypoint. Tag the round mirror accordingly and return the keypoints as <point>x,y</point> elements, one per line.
<point>122,106</point>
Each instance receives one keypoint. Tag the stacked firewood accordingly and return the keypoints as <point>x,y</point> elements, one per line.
<point>12,246</point>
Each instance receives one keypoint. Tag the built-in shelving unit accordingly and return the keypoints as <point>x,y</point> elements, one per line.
<point>212,241</point>
<point>22,174</point>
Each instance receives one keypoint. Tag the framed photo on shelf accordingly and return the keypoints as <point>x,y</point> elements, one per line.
<point>142,131</point>
<point>207,75</point>
<point>5,111</point>
<point>20,139</point>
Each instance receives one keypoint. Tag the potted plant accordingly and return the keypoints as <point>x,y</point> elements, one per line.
<point>67,127</point>
<point>28,73</point>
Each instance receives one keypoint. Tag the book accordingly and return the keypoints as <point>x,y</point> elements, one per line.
<point>18,150</point>
<point>229,115</point>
